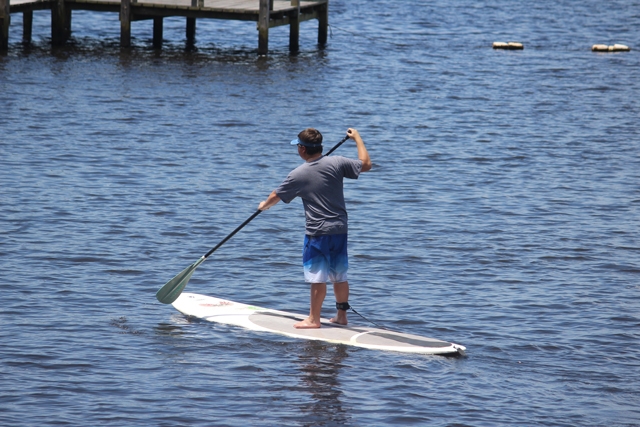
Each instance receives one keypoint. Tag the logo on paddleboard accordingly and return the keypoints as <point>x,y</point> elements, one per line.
<point>219,304</point>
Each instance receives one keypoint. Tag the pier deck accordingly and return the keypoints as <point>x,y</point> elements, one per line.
<point>267,14</point>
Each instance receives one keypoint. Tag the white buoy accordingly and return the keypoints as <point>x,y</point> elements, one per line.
<point>614,48</point>
<point>620,48</point>
<point>509,46</point>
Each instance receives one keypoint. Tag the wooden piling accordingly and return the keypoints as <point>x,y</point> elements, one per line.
<point>294,27</point>
<point>125,23</point>
<point>5,21</point>
<point>27,26</point>
<point>191,23</point>
<point>191,31</point>
<point>323,24</point>
<point>60,22</point>
<point>157,32</point>
<point>263,27</point>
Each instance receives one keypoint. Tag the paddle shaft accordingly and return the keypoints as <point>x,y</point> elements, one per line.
<point>337,145</point>
<point>256,213</point>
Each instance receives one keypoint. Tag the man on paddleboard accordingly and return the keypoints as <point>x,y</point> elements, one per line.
<point>319,183</point>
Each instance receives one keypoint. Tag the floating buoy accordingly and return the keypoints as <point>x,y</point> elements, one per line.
<point>509,46</point>
<point>614,48</point>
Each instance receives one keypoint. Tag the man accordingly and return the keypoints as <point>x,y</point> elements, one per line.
<point>319,182</point>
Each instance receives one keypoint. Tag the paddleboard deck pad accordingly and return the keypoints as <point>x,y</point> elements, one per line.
<point>281,322</point>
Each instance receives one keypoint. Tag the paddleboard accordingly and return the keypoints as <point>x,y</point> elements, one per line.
<point>281,322</point>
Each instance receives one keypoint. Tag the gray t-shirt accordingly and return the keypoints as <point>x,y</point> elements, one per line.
<point>319,185</point>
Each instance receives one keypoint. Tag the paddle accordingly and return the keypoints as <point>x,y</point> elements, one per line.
<point>174,287</point>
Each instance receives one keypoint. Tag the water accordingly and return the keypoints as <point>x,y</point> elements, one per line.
<point>502,213</point>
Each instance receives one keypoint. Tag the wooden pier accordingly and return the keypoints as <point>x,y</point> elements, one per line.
<point>267,14</point>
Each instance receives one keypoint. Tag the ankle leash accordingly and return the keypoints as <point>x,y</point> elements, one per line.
<point>345,306</point>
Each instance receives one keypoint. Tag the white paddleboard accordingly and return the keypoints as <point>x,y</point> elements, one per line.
<point>264,319</point>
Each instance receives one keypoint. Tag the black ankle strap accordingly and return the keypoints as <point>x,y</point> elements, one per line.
<point>343,306</point>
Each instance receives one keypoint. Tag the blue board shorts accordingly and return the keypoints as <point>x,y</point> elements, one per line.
<point>325,258</point>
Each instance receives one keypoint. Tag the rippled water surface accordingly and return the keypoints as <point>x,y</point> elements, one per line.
<point>502,213</point>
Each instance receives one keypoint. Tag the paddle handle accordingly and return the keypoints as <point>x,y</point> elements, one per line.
<point>256,213</point>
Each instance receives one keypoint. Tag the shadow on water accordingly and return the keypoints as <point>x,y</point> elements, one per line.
<point>175,329</point>
<point>143,50</point>
<point>168,329</point>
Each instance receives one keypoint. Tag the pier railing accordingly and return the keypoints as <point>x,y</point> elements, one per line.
<point>266,13</point>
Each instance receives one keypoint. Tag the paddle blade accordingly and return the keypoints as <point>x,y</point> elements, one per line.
<point>174,287</point>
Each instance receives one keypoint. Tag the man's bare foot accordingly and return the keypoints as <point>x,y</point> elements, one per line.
<point>307,324</point>
<point>340,320</point>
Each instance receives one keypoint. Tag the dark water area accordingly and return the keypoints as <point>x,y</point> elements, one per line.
<point>502,213</point>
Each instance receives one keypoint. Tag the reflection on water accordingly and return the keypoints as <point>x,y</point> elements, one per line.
<point>177,327</point>
<point>320,365</point>
<point>168,329</point>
